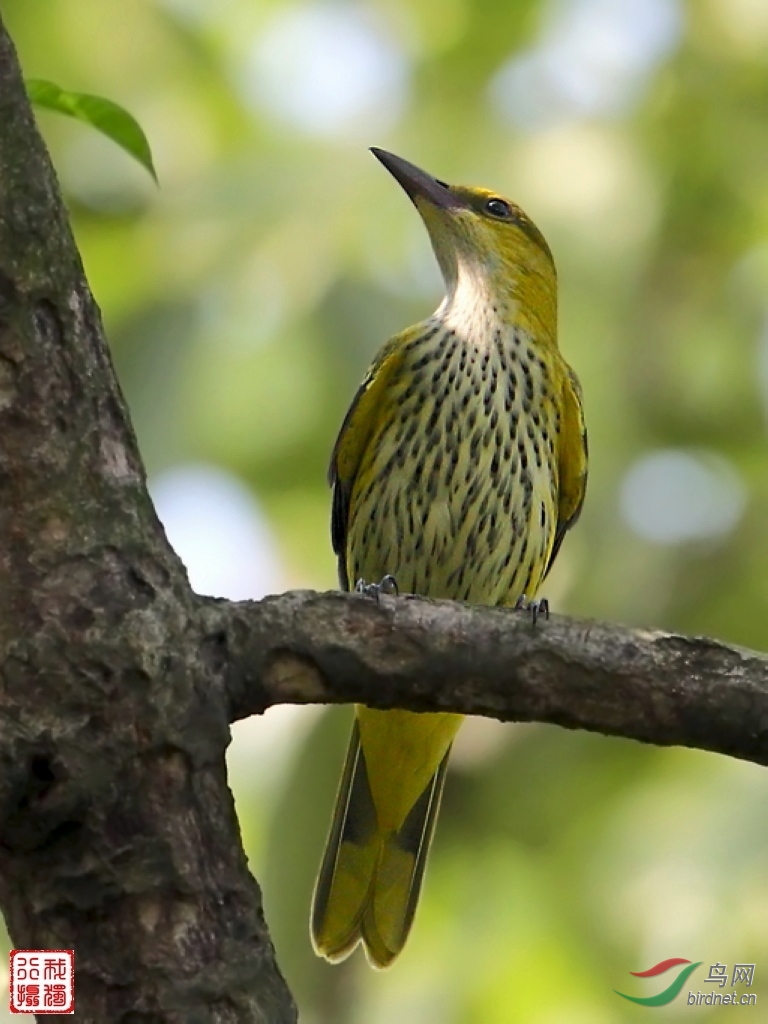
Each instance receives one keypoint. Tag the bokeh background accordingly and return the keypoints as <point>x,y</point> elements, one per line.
<point>243,299</point>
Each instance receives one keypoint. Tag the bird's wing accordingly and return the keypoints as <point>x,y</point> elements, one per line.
<point>572,460</point>
<point>366,411</point>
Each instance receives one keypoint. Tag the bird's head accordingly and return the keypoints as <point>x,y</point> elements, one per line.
<point>487,248</point>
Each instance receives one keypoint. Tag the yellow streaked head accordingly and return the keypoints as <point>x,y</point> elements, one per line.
<point>487,248</point>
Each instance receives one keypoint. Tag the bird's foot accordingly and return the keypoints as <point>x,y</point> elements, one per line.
<point>387,585</point>
<point>539,607</point>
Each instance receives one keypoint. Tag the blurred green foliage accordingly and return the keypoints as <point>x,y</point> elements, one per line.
<point>243,301</point>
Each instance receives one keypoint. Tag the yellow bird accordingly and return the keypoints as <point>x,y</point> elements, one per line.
<point>459,467</point>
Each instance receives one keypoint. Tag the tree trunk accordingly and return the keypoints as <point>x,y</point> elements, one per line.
<point>119,837</point>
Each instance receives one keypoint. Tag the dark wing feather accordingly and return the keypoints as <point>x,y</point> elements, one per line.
<point>339,520</point>
<point>572,461</point>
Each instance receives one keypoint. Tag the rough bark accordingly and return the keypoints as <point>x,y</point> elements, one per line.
<point>117,684</point>
<point>118,835</point>
<point>423,655</point>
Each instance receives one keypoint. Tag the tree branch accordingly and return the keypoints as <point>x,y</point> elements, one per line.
<point>436,655</point>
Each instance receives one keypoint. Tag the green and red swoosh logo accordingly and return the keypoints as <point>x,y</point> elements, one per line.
<point>669,993</point>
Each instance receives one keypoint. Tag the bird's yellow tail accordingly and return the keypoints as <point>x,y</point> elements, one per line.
<point>370,878</point>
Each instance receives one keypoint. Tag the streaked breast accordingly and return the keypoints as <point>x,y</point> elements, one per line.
<point>456,493</point>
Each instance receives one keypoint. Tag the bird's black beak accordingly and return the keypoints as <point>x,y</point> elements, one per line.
<point>417,183</point>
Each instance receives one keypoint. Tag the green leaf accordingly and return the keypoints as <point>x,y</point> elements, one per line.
<point>106,116</point>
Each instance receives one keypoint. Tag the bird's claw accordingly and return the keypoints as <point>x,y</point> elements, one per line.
<point>537,608</point>
<point>386,585</point>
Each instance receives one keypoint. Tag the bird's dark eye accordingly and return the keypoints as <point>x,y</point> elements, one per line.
<point>498,208</point>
